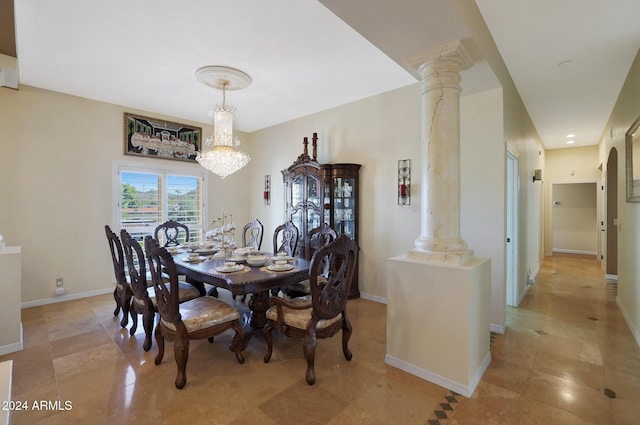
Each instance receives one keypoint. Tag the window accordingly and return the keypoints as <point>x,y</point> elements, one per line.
<point>146,197</point>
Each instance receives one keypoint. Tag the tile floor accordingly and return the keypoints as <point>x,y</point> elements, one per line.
<point>567,357</point>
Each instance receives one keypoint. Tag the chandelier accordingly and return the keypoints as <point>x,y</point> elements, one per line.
<point>218,154</point>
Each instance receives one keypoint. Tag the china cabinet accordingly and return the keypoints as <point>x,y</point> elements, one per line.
<point>322,193</point>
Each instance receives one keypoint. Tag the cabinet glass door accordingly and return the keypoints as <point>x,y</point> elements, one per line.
<point>344,206</point>
<point>313,188</point>
<point>297,190</point>
<point>297,218</point>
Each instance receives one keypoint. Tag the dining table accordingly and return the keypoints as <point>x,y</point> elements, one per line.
<point>243,280</point>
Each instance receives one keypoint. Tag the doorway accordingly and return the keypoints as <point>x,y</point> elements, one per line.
<point>574,218</point>
<point>611,256</point>
<point>512,230</point>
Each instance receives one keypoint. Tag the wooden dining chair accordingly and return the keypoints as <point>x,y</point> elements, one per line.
<point>285,238</point>
<point>173,233</point>
<point>252,237</point>
<point>122,294</point>
<point>143,299</point>
<point>252,234</point>
<point>330,275</point>
<point>199,318</point>
<point>316,239</point>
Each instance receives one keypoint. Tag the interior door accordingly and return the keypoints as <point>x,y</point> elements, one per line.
<point>512,230</point>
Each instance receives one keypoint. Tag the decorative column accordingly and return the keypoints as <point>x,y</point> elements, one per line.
<point>440,216</point>
<point>440,281</point>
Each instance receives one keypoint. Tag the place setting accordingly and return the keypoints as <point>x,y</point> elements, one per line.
<point>173,250</point>
<point>205,249</point>
<point>195,257</point>
<point>279,266</point>
<point>230,267</point>
<point>282,256</point>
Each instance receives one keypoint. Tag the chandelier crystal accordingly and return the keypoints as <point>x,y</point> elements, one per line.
<point>218,154</point>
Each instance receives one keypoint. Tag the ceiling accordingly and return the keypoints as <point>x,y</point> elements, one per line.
<point>567,58</point>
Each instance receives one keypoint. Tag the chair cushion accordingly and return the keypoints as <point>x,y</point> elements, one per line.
<point>186,292</point>
<point>204,312</point>
<point>299,318</point>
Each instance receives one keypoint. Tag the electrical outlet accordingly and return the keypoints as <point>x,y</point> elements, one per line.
<point>59,281</point>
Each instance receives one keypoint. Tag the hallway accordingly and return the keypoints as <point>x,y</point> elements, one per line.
<point>567,357</point>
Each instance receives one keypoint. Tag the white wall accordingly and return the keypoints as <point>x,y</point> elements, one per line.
<point>483,187</point>
<point>574,216</point>
<point>574,165</point>
<point>56,154</point>
<point>57,205</point>
<point>375,132</point>
<point>625,112</point>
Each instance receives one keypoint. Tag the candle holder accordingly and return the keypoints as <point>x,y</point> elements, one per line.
<point>222,234</point>
<point>404,182</point>
<point>267,190</point>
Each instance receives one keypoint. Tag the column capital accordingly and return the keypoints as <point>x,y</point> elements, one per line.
<point>452,51</point>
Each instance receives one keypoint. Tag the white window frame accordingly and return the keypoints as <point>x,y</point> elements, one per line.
<point>162,169</point>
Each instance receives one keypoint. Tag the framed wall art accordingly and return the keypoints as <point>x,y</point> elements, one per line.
<point>632,161</point>
<point>156,138</point>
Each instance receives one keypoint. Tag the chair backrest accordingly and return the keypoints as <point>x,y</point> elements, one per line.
<point>117,257</point>
<point>136,264</point>
<point>288,233</point>
<point>159,260</point>
<point>330,276</point>
<point>171,232</point>
<point>252,234</point>
<point>317,238</point>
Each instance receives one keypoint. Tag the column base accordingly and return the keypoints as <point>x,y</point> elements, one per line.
<point>438,321</point>
<point>454,257</point>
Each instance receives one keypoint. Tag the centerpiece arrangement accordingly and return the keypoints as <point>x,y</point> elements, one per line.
<point>222,235</point>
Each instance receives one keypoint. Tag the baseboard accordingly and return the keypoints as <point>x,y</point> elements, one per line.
<point>375,298</point>
<point>522,294</point>
<point>635,332</point>
<point>53,300</point>
<point>493,327</point>
<point>574,251</point>
<point>534,274</point>
<point>465,390</point>
<point>12,348</point>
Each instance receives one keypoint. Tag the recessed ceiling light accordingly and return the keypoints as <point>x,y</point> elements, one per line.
<point>570,135</point>
<point>570,142</point>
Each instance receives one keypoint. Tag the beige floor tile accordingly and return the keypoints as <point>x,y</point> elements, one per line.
<point>580,372</point>
<point>584,402</point>
<point>563,347</point>
<point>535,413</point>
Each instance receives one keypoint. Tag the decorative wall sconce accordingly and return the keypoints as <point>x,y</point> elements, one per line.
<point>404,182</point>
<point>267,190</point>
<point>537,175</point>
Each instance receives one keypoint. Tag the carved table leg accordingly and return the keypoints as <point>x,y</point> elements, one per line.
<point>259,303</point>
<point>199,286</point>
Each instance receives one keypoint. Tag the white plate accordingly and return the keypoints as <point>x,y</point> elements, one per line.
<point>282,258</point>
<point>194,260</point>
<point>205,251</point>
<point>236,268</point>
<point>278,268</point>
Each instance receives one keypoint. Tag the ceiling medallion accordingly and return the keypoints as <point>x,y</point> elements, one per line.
<point>218,154</point>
